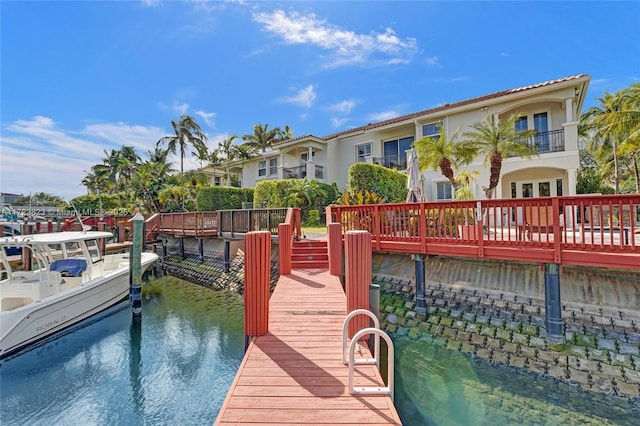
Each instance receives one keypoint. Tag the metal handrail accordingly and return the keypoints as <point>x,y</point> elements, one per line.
<point>390,361</point>
<point>345,324</point>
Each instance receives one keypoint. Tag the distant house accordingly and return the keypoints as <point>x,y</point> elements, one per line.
<point>6,198</point>
<point>552,108</point>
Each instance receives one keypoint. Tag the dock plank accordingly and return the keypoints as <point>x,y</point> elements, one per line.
<point>295,373</point>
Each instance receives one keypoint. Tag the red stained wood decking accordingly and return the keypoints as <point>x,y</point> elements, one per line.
<point>295,374</point>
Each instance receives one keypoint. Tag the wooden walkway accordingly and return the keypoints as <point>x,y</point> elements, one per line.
<point>295,374</point>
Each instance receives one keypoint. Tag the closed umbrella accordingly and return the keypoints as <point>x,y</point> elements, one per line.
<point>413,181</point>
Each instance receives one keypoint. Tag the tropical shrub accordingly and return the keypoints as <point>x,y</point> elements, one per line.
<point>388,183</point>
<point>223,198</point>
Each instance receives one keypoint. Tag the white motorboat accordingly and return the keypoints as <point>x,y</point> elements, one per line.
<point>70,281</point>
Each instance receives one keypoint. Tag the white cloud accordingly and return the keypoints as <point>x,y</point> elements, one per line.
<point>207,117</point>
<point>384,115</point>
<point>338,122</point>
<point>505,54</point>
<point>457,79</point>
<point>303,98</point>
<point>39,156</point>
<point>180,108</point>
<point>347,47</point>
<point>343,106</point>
<point>433,62</point>
<point>151,3</point>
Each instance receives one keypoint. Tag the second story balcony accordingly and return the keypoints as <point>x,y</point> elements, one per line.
<point>397,162</point>
<point>298,172</point>
<point>544,142</point>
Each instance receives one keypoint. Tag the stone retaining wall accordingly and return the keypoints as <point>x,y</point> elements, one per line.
<point>601,353</point>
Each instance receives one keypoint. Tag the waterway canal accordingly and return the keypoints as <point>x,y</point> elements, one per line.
<point>176,368</point>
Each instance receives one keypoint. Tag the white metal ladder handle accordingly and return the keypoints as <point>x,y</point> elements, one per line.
<point>345,324</point>
<point>390,365</point>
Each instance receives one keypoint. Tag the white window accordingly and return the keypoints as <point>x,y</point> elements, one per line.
<point>216,180</point>
<point>395,152</point>
<point>262,168</point>
<point>431,130</point>
<point>273,166</point>
<point>362,152</point>
<point>444,190</point>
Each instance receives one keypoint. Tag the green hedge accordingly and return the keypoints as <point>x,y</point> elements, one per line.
<point>222,198</point>
<point>389,183</point>
<point>270,194</point>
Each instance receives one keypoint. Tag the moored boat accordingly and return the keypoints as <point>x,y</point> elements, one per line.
<point>70,281</point>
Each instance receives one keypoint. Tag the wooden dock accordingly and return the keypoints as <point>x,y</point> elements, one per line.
<point>295,373</point>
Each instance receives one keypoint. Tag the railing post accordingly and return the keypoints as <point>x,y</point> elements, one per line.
<point>358,275</point>
<point>257,268</point>
<point>553,303</point>
<point>201,249</point>
<point>285,234</point>
<point>334,243</point>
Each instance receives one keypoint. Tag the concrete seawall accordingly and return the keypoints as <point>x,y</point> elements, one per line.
<point>590,286</point>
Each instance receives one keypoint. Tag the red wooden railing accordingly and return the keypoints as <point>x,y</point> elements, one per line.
<point>601,231</point>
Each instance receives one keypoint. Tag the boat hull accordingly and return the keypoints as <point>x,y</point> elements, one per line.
<point>24,326</point>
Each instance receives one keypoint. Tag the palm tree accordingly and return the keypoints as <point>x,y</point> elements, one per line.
<point>614,128</point>
<point>227,148</point>
<point>286,133</point>
<point>497,139</point>
<point>263,138</point>
<point>445,154</point>
<point>604,137</point>
<point>186,132</point>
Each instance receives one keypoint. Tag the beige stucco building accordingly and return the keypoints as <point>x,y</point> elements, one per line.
<point>552,108</point>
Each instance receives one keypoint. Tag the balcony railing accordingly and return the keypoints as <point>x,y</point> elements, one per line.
<point>552,141</point>
<point>398,162</point>
<point>298,172</point>
<point>319,173</point>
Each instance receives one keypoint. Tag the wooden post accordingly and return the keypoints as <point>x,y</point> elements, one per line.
<point>121,234</point>
<point>257,269</point>
<point>285,233</point>
<point>181,247</point>
<point>102,242</point>
<point>26,252</point>
<point>358,260</point>
<point>334,243</point>
<point>201,249</point>
<point>135,266</point>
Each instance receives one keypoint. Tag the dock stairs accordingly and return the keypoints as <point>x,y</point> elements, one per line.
<point>309,254</point>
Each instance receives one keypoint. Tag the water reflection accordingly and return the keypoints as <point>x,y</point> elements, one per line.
<point>174,367</point>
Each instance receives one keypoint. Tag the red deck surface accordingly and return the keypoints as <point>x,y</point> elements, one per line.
<point>295,374</point>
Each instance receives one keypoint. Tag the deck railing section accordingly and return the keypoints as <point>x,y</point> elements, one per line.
<point>583,230</point>
<point>197,224</point>
<point>242,221</point>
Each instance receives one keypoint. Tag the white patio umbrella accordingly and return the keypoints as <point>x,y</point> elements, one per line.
<point>413,180</point>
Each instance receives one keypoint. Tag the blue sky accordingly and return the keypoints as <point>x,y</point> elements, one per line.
<point>81,77</point>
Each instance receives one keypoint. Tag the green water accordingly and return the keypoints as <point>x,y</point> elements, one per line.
<point>436,386</point>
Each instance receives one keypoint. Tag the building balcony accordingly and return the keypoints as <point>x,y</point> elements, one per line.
<point>544,142</point>
<point>397,162</point>
<point>298,172</point>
